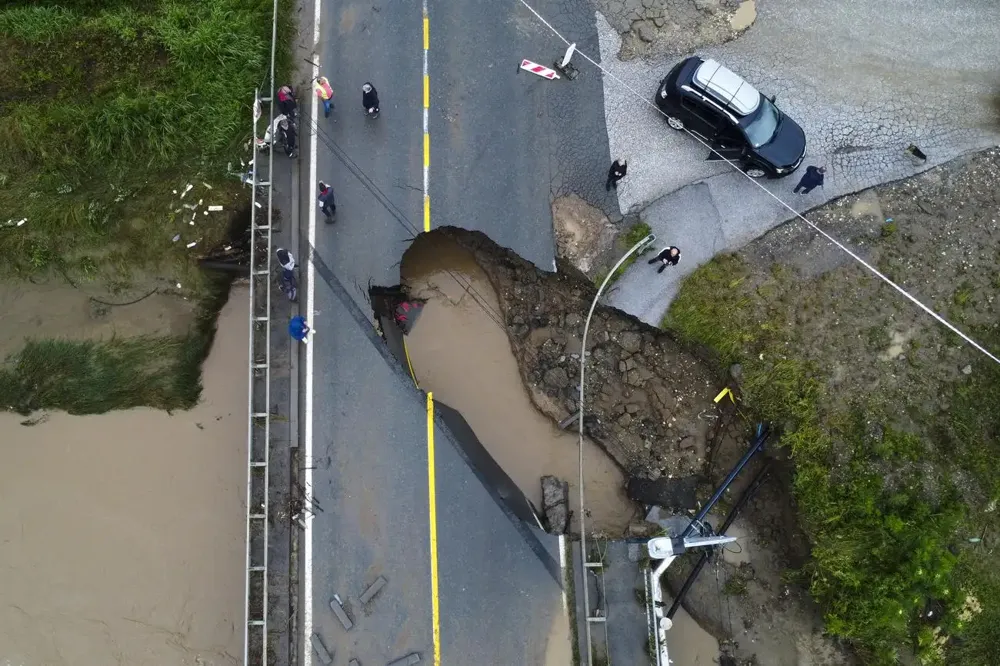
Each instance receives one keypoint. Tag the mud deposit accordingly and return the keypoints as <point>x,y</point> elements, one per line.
<point>459,350</point>
<point>59,310</point>
<point>122,534</point>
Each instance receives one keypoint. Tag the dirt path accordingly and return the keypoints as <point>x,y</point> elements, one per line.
<point>123,539</point>
<point>462,354</point>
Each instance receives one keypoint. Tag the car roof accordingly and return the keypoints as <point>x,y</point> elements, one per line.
<point>727,87</point>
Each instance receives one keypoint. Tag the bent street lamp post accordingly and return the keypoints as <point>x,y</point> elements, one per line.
<point>641,245</point>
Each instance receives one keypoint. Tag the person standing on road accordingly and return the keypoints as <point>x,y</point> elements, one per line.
<point>668,256</point>
<point>286,101</point>
<point>811,179</point>
<point>299,329</point>
<point>617,171</point>
<point>326,201</point>
<point>287,262</point>
<point>369,98</point>
<point>325,93</point>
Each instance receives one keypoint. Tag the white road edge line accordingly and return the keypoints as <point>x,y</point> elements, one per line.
<point>307,619</point>
<point>427,169</point>
<point>562,568</point>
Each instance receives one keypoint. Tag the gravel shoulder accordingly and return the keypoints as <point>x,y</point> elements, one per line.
<point>876,79</point>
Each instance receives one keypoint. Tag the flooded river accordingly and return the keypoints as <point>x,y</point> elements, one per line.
<point>122,535</point>
<point>459,350</point>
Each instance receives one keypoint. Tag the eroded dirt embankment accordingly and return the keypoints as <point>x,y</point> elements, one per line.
<point>649,397</point>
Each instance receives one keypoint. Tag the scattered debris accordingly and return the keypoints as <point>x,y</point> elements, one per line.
<point>215,209</point>
<point>176,238</point>
<point>192,244</point>
<point>338,610</point>
<point>187,189</point>
<point>321,651</point>
<point>372,590</point>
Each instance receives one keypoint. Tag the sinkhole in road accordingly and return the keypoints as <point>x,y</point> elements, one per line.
<point>459,350</point>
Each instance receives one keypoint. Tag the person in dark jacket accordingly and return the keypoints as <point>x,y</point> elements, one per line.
<point>369,97</point>
<point>617,171</point>
<point>668,256</point>
<point>811,179</point>
<point>327,203</point>
<point>287,135</point>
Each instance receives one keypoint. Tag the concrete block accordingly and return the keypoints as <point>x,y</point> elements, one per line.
<point>354,662</point>
<point>324,655</point>
<point>338,610</point>
<point>372,590</point>
<point>408,660</point>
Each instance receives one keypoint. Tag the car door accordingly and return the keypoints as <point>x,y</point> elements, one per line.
<point>698,118</point>
<point>728,142</point>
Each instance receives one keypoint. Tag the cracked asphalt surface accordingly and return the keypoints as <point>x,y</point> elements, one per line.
<point>864,79</point>
<point>490,134</point>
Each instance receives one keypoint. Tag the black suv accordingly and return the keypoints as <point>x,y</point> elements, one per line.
<point>732,117</point>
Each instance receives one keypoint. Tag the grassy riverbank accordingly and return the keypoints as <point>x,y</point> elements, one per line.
<point>108,110</point>
<point>890,418</point>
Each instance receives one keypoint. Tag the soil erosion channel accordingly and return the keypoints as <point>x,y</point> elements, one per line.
<point>460,351</point>
<point>123,533</point>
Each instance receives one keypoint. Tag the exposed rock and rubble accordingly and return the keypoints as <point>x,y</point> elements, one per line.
<point>645,391</point>
<point>657,27</point>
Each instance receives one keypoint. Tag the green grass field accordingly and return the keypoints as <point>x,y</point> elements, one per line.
<point>106,108</point>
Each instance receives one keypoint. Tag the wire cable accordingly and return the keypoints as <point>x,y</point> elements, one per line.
<point>794,212</point>
<point>401,218</point>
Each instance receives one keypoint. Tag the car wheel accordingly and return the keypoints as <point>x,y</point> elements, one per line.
<point>755,172</point>
<point>675,123</point>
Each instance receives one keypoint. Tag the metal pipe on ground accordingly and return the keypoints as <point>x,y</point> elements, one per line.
<point>763,432</point>
<point>750,491</point>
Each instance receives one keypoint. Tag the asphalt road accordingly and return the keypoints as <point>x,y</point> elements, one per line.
<point>488,128</point>
<point>370,443</point>
<point>877,77</point>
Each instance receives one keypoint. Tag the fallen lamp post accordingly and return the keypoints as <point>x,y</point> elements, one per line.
<point>667,549</point>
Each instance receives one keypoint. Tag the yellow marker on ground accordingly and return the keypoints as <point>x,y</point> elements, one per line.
<point>723,393</point>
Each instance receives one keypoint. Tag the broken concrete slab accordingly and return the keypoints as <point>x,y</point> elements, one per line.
<point>338,610</point>
<point>372,590</point>
<point>408,660</point>
<point>324,655</point>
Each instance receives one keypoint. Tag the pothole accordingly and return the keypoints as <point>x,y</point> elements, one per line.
<point>459,350</point>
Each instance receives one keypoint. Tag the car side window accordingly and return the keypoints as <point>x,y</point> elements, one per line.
<point>698,111</point>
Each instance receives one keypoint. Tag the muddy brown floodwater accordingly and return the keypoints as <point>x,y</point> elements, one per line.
<point>122,535</point>
<point>460,352</point>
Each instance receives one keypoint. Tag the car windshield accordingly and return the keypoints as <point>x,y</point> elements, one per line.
<point>761,129</point>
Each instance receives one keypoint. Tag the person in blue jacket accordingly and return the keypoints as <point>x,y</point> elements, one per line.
<point>299,329</point>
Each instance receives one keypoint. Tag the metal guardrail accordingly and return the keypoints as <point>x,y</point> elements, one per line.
<point>256,647</point>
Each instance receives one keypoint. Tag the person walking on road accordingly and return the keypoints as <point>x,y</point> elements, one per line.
<point>617,171</point>
<point>327,202</point>
<point>325,93</point>
<point>668,256</point>
<point>369,98</point>
<point>811,179</point>
<point>299,329</point>
<point>289,284</point>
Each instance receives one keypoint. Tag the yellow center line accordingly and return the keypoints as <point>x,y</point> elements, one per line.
<point>427,33</point>
<point>427,91</point>
<point>427,213</point>
<point>432,511</point>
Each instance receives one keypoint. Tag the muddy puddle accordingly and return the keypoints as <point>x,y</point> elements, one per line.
<point>459,351</point>
<point>123,533</point>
